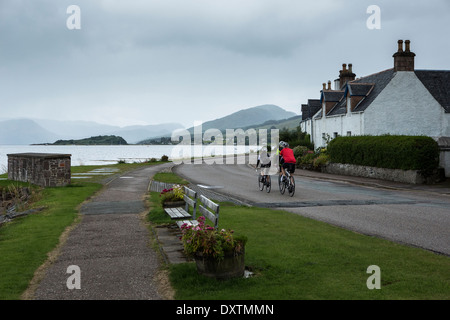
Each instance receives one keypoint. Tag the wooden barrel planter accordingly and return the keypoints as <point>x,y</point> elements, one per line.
<point>231,266</point>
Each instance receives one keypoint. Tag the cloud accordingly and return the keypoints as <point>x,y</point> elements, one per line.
<point>184,60</point>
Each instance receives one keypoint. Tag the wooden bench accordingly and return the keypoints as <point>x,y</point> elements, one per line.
<point>190,199</point>
<point>208,209</point>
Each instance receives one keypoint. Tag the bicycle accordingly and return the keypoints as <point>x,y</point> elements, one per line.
<point>264,181</point>
<point>287,182</point>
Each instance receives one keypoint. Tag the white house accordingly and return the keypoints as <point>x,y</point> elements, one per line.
<point>397,101</point>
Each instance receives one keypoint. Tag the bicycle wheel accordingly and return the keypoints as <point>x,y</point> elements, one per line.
<point>291,187</point>
<point>260,183</point>
<point>282,185</point>
<point>268,184</point>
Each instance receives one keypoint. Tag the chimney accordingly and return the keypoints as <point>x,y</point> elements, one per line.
<point>346,75</point>
<point>329,85</point>
<point>404,59</point>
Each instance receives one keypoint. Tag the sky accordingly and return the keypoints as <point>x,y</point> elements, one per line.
<point>142,62</point>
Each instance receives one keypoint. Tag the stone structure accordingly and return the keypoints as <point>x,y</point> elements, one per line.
<point>43,169</point>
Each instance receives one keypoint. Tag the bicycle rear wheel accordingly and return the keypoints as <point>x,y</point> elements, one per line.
<point>260,183</point>
<point>282,184</point>
<point>268,184</point>
<point>291,188</point>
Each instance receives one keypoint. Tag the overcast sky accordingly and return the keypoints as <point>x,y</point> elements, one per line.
<point>156,61</point>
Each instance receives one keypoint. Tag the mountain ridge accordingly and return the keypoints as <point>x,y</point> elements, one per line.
<point>22,131</point>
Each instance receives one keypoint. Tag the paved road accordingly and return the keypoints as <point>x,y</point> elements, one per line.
<point>110,246</point>
<point>413,215</point>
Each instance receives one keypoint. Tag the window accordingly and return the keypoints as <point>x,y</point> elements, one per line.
<point>349,133</point>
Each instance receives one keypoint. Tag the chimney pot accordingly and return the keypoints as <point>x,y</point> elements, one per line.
<point>344,67</point>
<point>400,45</point>
<point>350,67</point>
<point>407,45</point>
<point>324,86</point>
<point>329,85</point>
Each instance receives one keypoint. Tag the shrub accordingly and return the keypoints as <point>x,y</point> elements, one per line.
<point>300,151</point>
<point>164,158</point>
<point>392,152</point>
<point>321,160</point>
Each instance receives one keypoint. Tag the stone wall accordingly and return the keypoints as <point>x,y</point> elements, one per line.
<point>397,175</point>
<point>43,169</point>
<point>444,158</point>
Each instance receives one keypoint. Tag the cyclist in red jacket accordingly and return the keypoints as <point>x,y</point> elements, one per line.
<point>287,158</point>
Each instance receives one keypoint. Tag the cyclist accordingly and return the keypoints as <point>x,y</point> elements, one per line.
<point>287,158</point>
<point>264,160</point>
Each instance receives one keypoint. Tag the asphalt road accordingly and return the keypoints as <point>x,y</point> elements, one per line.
<point>415,216</point>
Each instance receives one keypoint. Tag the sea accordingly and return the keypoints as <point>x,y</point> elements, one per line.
<point>104,155</point>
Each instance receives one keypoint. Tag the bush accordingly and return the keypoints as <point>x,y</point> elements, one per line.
<point>391,152</point>
<point>321,160</point>
<point>295,137</point>
<point>300,151</point>
<point>164,158</point>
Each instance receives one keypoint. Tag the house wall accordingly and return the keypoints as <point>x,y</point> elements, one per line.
<point>406,107</point>
<point>352,123</point>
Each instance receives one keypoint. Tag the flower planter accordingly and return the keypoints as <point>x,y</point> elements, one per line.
<point>231,266</point>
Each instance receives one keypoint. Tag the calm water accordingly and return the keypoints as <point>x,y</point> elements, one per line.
<point>98,155</point>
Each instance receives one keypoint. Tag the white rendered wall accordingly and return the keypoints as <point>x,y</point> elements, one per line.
<point>406,107</point>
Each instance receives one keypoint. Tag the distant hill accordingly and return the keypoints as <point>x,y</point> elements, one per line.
<point>24,131</point>
<point>81,129</point>
<point>38,131</point>
<point>248,117</point>
<point>290,123</point>
<point>264,116</point>
<point>97,141</point>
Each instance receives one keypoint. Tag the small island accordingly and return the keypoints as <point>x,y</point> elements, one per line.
<point>98,140</point>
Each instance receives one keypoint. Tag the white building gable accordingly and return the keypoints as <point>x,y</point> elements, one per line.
<point>406,107</point>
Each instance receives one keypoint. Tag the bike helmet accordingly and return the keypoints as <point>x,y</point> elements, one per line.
<point>282,144</point>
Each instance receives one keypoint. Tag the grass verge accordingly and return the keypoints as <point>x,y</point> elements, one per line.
<point>26,242</point>
<point>296,258</point>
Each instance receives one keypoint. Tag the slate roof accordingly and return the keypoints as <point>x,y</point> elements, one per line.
<point>438,84</point>
<point>310,109</point>
<point>331,96</point>
<point>379,80</point>
<point>369,86</point>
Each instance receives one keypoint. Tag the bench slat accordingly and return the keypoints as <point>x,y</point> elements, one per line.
<point>213,213</point>
<point>208,214</point>
<point>188,222</point>
<point>177,213</point>
<point>213,206</point>
<point>190,193</point>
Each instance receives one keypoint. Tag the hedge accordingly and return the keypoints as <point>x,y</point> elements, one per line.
<point>392,152</point>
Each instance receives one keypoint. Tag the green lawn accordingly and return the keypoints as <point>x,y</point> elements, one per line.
<point>297,258</point>
<point>25,242</point>
<point>293,257</point>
